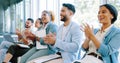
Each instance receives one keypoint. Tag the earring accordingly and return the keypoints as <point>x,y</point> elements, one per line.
<point>111,17</point>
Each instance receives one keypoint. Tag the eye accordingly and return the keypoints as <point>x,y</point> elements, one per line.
<point>104,11</point>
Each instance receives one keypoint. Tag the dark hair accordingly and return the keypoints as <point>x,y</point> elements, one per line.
<point>30,19</point>
<point>69,6</point>
<point>40,20</point>
<point>112,10</point>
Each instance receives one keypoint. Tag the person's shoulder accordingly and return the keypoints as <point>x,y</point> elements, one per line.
<point>52,24</point>
<point>115,29</point>
<point>74,24</point>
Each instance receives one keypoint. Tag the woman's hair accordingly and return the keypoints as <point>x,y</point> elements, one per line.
<point>51,14</point>
<point>113,11</point>
<point>40,20</point>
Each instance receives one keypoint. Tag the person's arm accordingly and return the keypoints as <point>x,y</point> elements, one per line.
<point>25,41</point>
<point>74,44</point>
<point>19,34</point>
<point>31,36</point>
<point>95,41</point>
<point>112,46</point>
<point>90,35</point>
<point>85,45</point>
<point>51,35</point>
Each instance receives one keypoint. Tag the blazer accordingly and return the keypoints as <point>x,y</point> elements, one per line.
<point>70,46</point>
<point>110,45</point>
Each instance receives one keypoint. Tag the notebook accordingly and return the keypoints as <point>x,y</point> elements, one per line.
<point>8,38</point>
<point>45,59</point>
<point>40,33</point>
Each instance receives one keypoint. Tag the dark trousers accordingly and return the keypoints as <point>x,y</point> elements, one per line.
<point>16,51</point>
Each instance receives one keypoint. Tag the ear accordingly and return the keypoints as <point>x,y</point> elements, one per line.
<point>32,24</point>
<point>71,13</point>
<point>111,16</point>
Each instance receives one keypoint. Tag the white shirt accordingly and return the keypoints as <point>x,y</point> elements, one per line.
<point>64,31</point>
<point>100,36</point>
<point>31,30</point>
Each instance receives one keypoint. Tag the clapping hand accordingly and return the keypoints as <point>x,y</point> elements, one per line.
<point>88,31</point>
<point>50,39</point>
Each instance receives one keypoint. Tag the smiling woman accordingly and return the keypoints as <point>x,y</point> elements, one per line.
<point>102,45</point>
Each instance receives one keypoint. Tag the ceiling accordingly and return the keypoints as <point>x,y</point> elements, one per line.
<point>6,3</point>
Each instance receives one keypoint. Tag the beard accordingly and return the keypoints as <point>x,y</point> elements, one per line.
<point>64,19</point>
<point>26,26</point>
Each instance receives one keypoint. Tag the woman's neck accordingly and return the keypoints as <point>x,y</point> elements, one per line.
<point>104,26</point>
<point>45,24</point>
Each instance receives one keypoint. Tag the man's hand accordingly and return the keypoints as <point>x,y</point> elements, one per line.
<point>19,34</point>
<point>18,31</point>
<point>31,36</point>
<point>25,41</point>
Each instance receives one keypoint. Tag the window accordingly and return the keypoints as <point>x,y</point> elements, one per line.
<point>7,22</point>
<point>19,16</point>
<point>86,11</point>
<point>27,8</point>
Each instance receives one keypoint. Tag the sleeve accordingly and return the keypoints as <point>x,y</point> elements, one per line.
<point>42,41</point>
<point>74,45</point>
<point>52,29</point>
<point>111,47</point>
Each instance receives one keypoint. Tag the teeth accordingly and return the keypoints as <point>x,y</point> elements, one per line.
<point>43,18</point>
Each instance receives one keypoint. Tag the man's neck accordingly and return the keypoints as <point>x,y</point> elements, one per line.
<point>66,23</point>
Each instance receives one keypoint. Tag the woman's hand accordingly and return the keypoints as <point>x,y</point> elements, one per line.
<point>88,31</point>
<point>50,39</point>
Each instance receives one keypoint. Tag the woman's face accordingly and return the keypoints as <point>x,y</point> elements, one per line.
<point>37,24</point>
<point>104,15</point>
<point>45,17</point>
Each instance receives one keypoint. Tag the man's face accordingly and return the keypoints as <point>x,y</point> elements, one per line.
<point>28,24</point>
<point>64,14</point>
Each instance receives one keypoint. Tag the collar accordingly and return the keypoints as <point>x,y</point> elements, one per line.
<point>68,25</point>
<point>107,29</point>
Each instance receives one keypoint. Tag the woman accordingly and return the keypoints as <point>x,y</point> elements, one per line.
<point>38,24</point>
<point>49,28</point>
<point>102,45</point>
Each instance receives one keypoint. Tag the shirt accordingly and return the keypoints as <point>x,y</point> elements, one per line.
<point>100,36</point>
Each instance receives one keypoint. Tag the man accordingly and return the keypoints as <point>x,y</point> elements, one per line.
<point>69,36</point>
<point>22,38</point>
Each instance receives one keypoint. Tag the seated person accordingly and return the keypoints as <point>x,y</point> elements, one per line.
<point>49,27</point>
<point>15,51</point>
<point>69,37</point>
<point>103,44</point>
